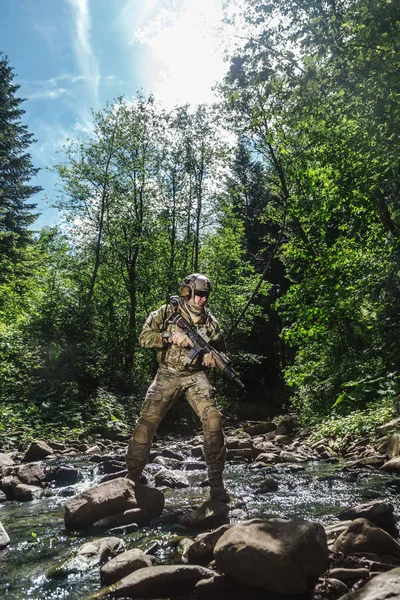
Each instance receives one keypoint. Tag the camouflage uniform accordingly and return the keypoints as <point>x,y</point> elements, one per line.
<point>173,379</point>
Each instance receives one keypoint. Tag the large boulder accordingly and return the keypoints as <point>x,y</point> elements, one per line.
<point>31,474</point>
<point>4,538</point>
<point>382,587</point>
<point>211,513</point>
<point>164,581</point>
<point>278,555</point>
<point>124,564</point>
<point>201,550</point>
<point>363,536</point>
<point>378,512</point>
<point>111,498</point>
<point>37,451</point>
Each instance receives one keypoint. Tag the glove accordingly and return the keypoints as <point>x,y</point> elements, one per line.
<point>209,361</point>
<point>181,339</point>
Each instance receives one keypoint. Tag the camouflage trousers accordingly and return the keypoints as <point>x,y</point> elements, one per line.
<point>167,386</point>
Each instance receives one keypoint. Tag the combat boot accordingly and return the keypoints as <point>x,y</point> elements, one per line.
<point>217,488</point>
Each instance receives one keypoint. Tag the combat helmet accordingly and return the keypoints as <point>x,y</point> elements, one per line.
<point>194,283</point>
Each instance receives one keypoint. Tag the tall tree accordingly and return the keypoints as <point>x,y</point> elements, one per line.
<point>16,170</point>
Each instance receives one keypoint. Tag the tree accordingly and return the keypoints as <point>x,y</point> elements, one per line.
<point>16,170</point>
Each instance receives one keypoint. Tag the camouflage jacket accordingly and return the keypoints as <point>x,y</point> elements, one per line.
<point>170,354</point>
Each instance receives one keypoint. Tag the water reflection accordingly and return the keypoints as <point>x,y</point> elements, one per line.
<point>317,491</point>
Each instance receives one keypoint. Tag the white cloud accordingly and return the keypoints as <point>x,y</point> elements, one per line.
<point>183,43</point>
<point>85,54</point>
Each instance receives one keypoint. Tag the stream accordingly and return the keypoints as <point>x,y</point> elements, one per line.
<point>315,490</point>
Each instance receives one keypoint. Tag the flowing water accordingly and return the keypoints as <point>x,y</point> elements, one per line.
<point>316,491</point>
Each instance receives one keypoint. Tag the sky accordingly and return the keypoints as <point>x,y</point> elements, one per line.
<point>71,56</point>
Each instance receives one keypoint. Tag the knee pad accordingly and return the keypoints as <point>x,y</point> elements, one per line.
<point>212,419</point>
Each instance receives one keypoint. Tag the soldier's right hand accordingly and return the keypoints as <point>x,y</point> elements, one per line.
<point>181,339</point>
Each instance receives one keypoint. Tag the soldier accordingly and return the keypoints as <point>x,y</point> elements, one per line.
<point>175,377</point>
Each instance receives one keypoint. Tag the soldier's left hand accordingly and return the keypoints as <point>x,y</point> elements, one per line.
<point>209,361</point>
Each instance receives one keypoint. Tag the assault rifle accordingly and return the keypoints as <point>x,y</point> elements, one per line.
<point>201,346</point>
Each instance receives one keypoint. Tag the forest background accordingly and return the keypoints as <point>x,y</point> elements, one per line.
<point>284,193</point>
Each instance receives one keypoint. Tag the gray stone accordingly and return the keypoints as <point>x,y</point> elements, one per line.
<point>111,498</point>
<point>277,555</point>
<point>378,512</point>
<point>88,556</point>
<point>212,513</point>
<point>4,538</point>
<point>172,479</point>
<point>382,587</point>
<point>124,564</point>
<point>363,536</point>
<point>6,460</point>
<point>37,451</point>
<point>26,493</point>
<point>392,465</point>
<point>163,581</point>
<point>201,551</point>
<point>31,474</point>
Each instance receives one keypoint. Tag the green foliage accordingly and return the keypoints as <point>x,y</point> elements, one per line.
<point>357,423</point>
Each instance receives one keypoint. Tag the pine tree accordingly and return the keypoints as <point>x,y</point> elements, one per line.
<point>16,170</point>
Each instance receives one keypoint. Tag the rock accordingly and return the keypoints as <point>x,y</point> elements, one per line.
<point>260,428</point>
<point>62,475</point>
<point>378,512</point>
<point>388,427</point>
<point>330,589</point>
<point>267,486</point>
<point>344,574</point>
<point>197,452</point>
<point>93,450</point>
<point>7,485</point>
<point>6,460</point>
<point>334,530</point>
<point>181,551</point>
<point>363,536</point>
<point>246,453</point>
<point>4,538</point>
<point>88,556</point>
<point>3,497</point>
<point>382,587</point>
<point>172,479</point>
<point>26,493</point>
<point>277,555</point>
<point>239,514</point>
<point>163,581</point>
<point>393,445</point>
<point>168,463</point>
<point>37,451</point>
<point>111,498</point>
<point>31,474</point>
<point>283,439</point>
<point>124,564</point>
<point>222,587</point>
<point>212,513</point>
<point>124,519</point>
<point>268,457</point>
<point>58,446</point>
<point>201,551</point>
<point>234,443</point>
<point>289,457</point>
<point>171,454</point>
<point>392,465</point>
<point>195,465</point>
